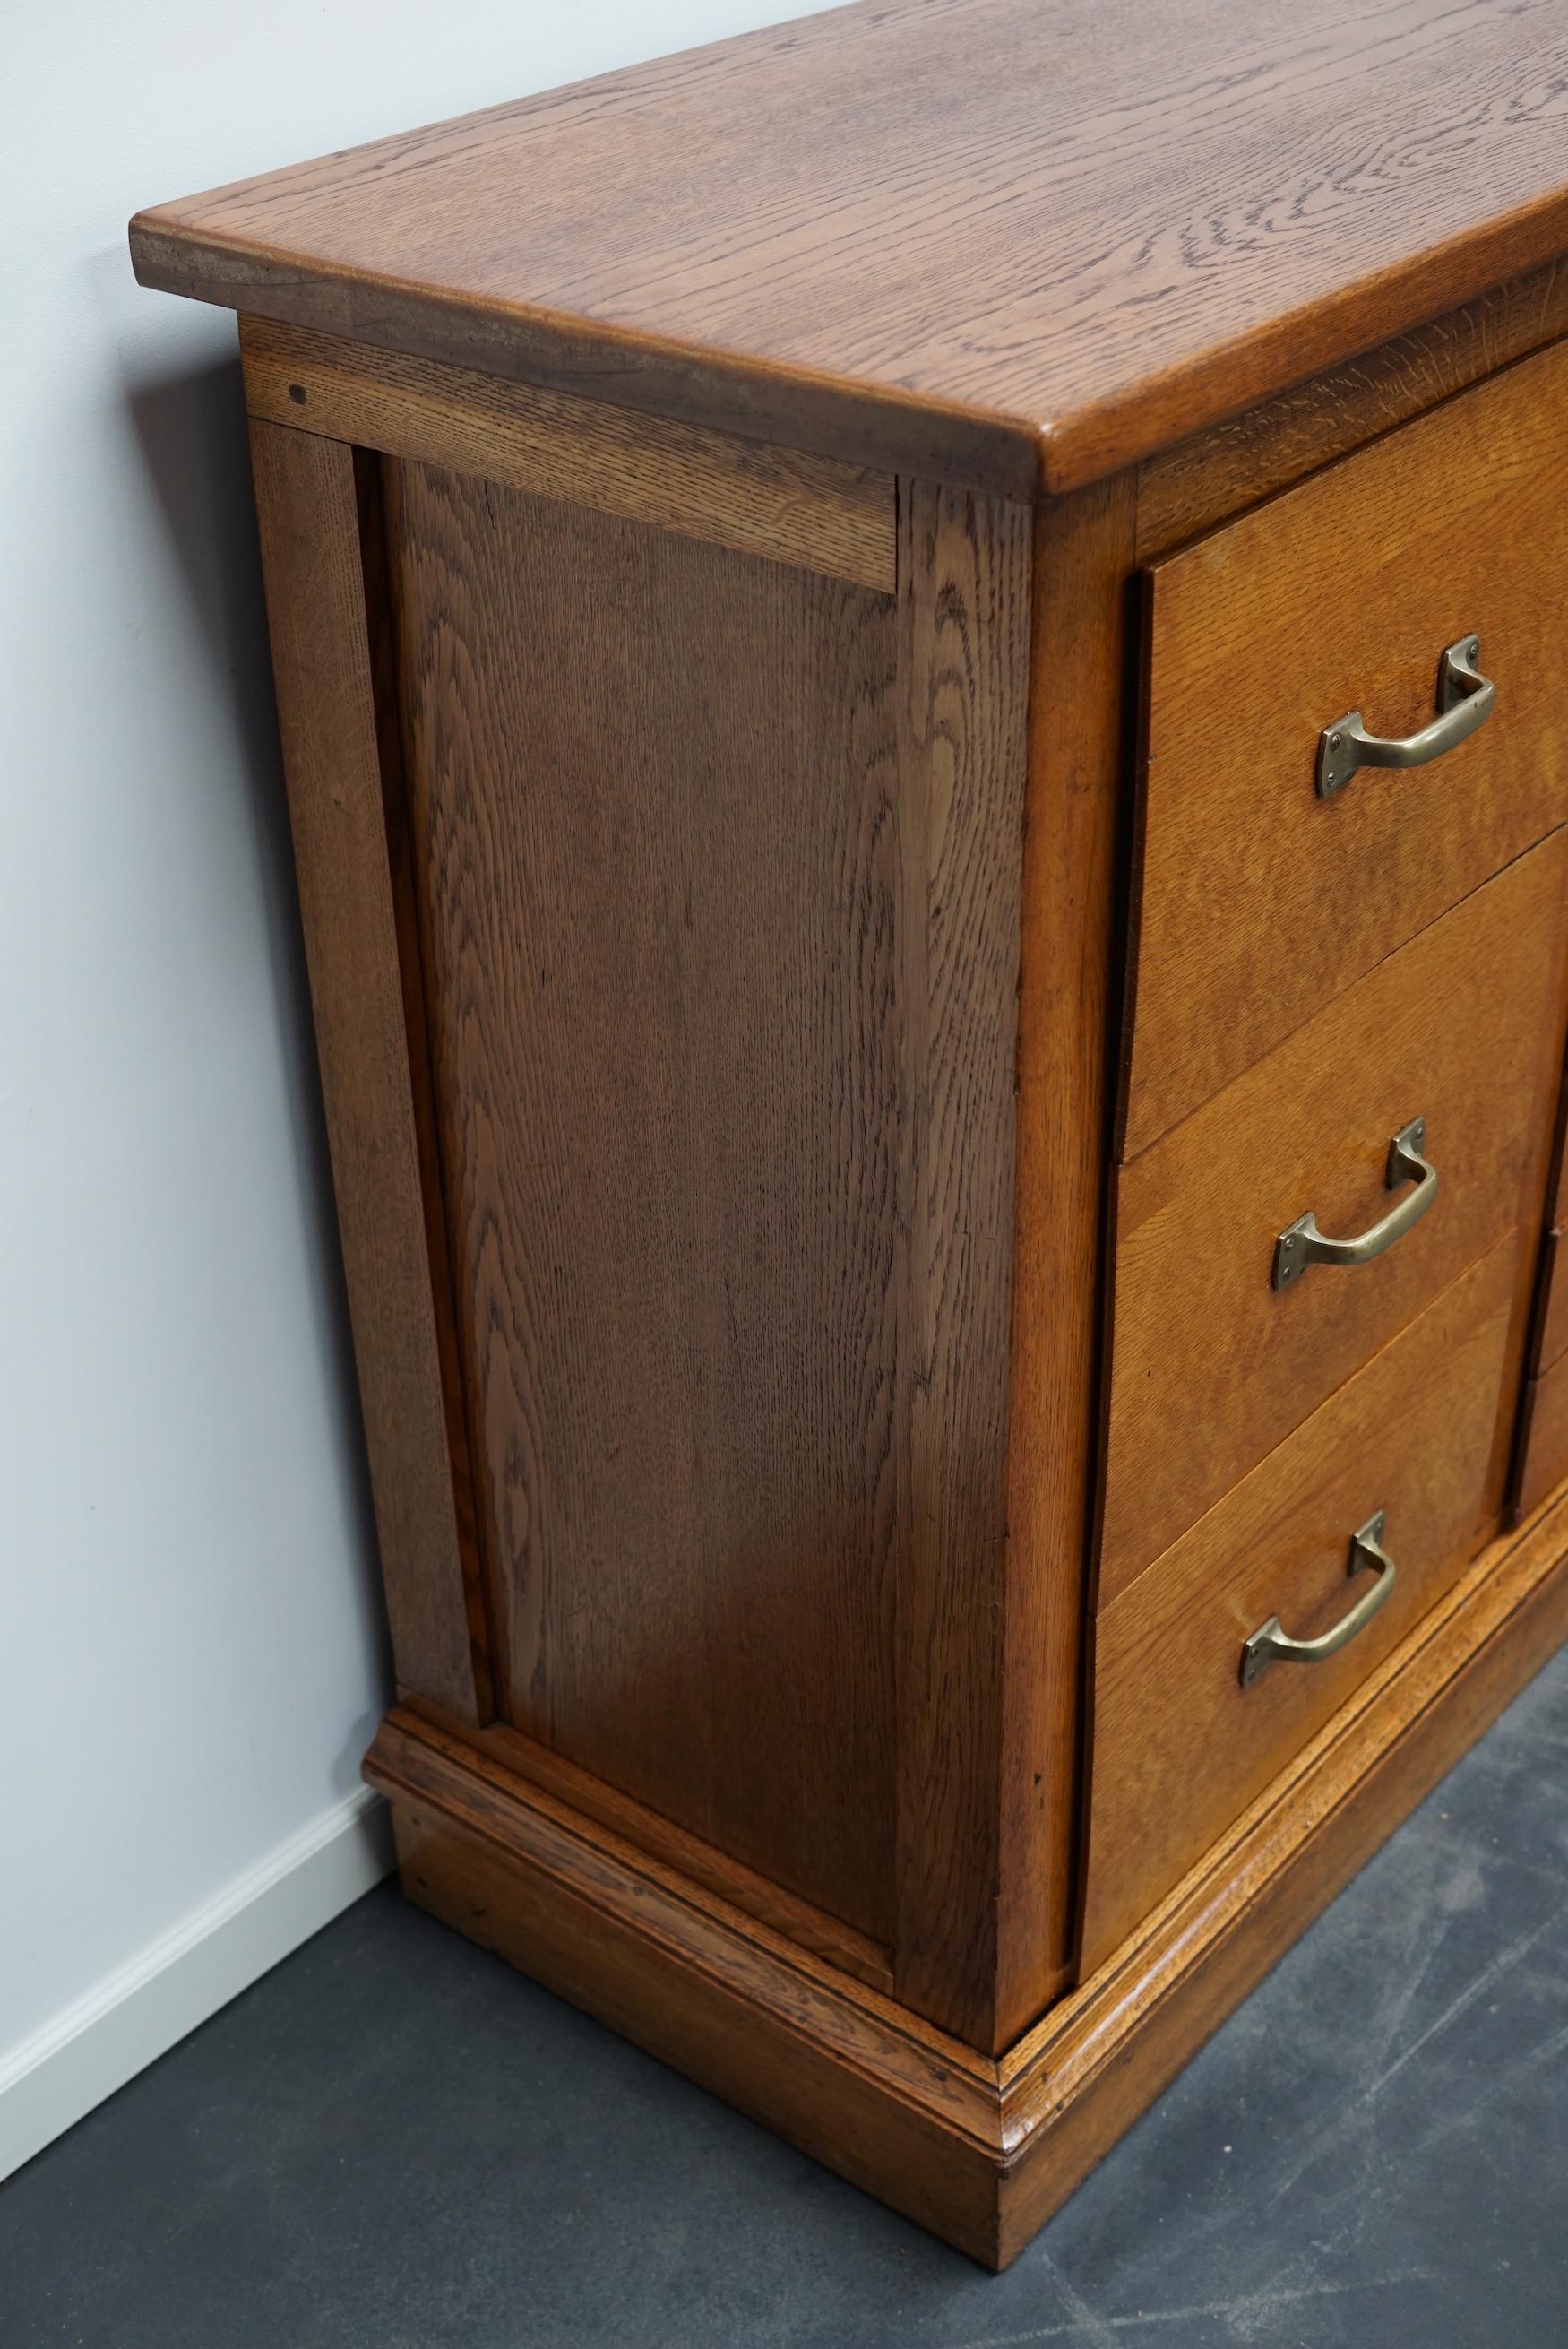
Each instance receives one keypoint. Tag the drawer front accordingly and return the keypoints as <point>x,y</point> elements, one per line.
<point>1257,900</point>
<point>1181,1746</point>
<point>1210,1364</point>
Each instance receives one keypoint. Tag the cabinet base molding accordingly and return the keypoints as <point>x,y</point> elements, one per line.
<point>981,2150</point>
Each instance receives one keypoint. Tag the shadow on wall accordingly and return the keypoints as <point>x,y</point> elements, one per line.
<point>189,430</point>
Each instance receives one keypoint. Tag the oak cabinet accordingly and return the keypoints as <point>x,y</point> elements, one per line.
<point>929,801</point>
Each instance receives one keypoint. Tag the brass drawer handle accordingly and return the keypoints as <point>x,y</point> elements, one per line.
<point>1465,700</point>
<point>1269,1640</point>
<point>1303,1244</point>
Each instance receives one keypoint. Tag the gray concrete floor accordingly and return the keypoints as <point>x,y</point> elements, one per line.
<point>394,2142</point>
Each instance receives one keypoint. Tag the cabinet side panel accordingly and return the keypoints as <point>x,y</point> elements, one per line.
<point>658,840</point>
<point>315,591</point>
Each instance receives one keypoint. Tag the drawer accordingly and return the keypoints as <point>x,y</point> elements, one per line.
<point>1210,1364</point>
<point>1180,1746</point>
<point>1257,900</point>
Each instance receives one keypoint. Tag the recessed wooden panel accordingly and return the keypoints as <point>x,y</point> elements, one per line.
<point>1211,1365</point>
<point>675,911</point>
<point>1180,1746</point>
<point>1257,900</point>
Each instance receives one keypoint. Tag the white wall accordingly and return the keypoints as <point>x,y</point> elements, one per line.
<point>192,1652</point>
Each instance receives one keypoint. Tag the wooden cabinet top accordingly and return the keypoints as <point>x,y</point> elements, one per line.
<point>992,241</point>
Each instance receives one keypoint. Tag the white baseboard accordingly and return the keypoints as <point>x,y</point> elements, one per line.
<point>59,2073</point>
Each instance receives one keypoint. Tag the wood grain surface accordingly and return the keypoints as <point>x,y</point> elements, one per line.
<point>1180,1746</point>
<point>964,580</point>
<point>1198,483</point>
<point>723,968</point>
<point>959,238</point>
<point>840,519</point>
<point>1257,900</point>
<point>647,1831</point>
<point>1542,1454</point>
<point>662,1840</point>
<point>314,568</point>
<point>661,854</point>
<point>1211,1366</point>
<point>1068,1010</point>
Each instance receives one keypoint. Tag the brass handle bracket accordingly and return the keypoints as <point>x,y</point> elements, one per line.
<point>1465,700</point>
<point>1301,1243</point>
<point>1270,1643</point>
